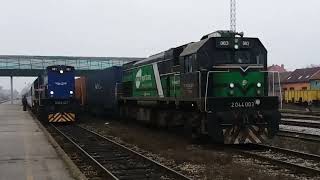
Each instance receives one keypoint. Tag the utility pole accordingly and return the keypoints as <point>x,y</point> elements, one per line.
<point>233,18</point>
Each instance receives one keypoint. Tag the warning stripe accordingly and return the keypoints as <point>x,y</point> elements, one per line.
<point>61,117</point>
<point>70,116</point>
<point>253,137</point>
<point>260,133</point>
<point>251,134</point>
<point>66,117</point>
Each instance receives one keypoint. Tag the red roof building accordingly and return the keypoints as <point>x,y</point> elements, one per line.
<point>277,68</point>
<point>300,79</point>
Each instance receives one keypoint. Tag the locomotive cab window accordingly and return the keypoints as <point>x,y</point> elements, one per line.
<point>188,64</point>
<point>244,52</point>
<point>242,57</point>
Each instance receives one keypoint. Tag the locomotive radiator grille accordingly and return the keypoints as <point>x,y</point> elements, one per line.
<point>61,117</point>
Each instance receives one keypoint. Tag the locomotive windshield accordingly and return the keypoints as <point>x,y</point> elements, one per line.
<point>248,52</point>
<point>242,57</point>
<point>238,57</point>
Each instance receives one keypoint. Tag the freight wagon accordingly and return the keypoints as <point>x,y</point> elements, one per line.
<point>97,92</point>
<point>302,96</point>
<point>81,91</point>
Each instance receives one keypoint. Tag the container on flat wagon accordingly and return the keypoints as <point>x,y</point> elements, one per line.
<point>81,90</point>
<point>101,90</point>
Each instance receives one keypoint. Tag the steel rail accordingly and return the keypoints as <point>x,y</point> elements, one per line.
<point>256,151</point>
<point>299,135</point>
<point>85,153</point>
<point>156,168</point>
<point>300,112</point>
<point>300,116</point>
<point>138,154</point>
<point>300,123</point>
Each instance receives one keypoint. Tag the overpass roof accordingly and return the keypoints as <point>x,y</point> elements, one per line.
<point>15,65</point>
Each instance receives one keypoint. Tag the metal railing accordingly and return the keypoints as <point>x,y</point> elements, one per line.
<point>80,63</point>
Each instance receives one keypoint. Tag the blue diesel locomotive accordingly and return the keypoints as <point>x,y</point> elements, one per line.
<point>51,95</point>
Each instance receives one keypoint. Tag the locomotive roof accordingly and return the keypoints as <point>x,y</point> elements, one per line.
<point>151,59</point>
<point>193,47</point>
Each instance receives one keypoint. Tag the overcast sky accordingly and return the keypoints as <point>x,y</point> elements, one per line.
<point>140,28</point>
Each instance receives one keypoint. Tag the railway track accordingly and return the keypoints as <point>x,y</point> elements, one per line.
<point>300,112</point>
<point>300,116</point>
<point>296,161</point>
<point>299,135</point>
<point>301,123</point>
<point>112,160</point>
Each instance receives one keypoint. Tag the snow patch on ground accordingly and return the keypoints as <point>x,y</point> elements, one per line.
<point>306,130</point>
<point>300,115</point>
<point>301,120</point>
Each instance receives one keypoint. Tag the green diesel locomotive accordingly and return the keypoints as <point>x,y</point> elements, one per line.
<point>217,87</point>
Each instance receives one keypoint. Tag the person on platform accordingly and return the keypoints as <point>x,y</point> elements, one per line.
<point>24,103</point>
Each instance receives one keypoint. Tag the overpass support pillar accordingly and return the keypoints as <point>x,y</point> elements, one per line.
<point>11,85</point>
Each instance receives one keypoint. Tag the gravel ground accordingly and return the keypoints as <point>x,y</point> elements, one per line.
<point>196,161</point>
<point>299,107</point>
<point>297,144</point>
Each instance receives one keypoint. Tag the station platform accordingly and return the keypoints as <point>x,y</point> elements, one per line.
<point>25,152</point>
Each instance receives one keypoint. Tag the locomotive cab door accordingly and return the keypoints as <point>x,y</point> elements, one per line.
<point>190,77</point>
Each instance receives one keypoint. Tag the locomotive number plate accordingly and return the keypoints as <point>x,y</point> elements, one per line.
<point>61,102</point>
<point>242,104</point>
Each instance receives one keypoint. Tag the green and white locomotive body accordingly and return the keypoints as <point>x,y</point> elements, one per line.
<point>216,87</point>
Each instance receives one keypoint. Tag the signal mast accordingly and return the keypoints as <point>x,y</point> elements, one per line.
<point>233,14</point>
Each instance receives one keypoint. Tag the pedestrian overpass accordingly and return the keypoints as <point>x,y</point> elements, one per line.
<point>15,65</point>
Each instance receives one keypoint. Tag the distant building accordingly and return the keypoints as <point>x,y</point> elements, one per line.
<point>274,71</point>
<point>277,68</point>
<point>302,79</point>
<point>284,76</point>
<point>315,82</point>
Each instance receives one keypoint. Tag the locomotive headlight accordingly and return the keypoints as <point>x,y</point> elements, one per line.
<point>258,102</point>
<point>258,92</point>
<point>236,46</point>
<point>71,92</point>
<point>61,71</point>
<point>231,85</point>
<point>51,92</point>
<point>244,83</point>
<point>259,85</point>
<point>231,92</point>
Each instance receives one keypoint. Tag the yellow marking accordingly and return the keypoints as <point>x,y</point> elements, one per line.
<point>58,117</point>
<point>66,117</point>
<point>69,116</point>
<point>73,115</point>
<point>254,136</point>
<point>62,117</point>
<point>247,141</point>
<point>29,177</point>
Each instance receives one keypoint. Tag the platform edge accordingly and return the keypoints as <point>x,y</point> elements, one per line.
<point>72,168</point>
